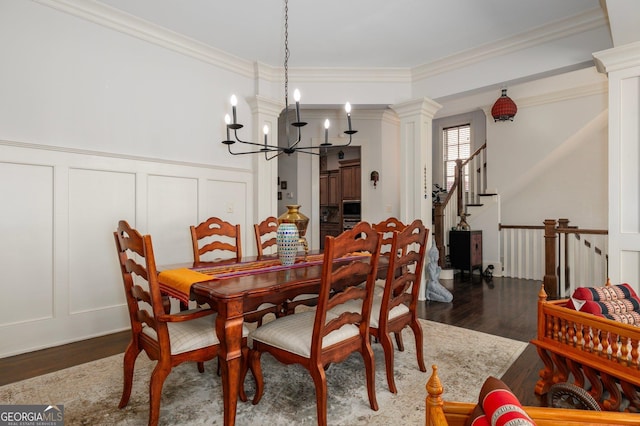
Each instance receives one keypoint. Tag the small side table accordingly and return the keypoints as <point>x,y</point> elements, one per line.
<point>465,250</point>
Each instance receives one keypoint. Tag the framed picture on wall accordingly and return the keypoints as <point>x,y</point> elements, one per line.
<point>283,184</point>
<point>279,195</point>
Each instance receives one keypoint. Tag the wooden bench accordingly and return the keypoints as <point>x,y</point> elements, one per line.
<point>445,413</point>
<point>601,354</point>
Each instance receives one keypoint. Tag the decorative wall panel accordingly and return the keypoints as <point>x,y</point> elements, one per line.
<point>26,252</point>
<point>97,201</point>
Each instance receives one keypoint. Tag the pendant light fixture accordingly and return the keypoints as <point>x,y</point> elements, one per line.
<point>272,151</point>
<point>504,109</point>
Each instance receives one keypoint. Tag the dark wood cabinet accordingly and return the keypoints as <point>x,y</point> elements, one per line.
<point>350,179</point>
<point>465,250</point>
<point>329,228</point>
<point>329,188</point>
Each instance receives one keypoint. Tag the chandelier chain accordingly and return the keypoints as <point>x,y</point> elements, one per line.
<point>286,52</point>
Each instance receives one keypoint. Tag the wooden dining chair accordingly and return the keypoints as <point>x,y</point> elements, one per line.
<point>315,339</point>
<point>387,227</point>
<point>266,238</point>
<point>215,234</point>
<point>396,308</point>
<point>169,339</point>
<point>266,232</point>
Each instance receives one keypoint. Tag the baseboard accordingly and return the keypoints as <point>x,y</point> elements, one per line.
<point>446,274</point>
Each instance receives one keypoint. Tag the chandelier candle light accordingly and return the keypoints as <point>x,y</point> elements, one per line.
<point>272,151</point>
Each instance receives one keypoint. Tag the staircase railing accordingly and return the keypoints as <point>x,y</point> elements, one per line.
<point>573,257</point>
<point>522,251</point>
<point>562,256</point>
<point>464,192</point>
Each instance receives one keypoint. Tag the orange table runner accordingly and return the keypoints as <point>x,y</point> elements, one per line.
<point>177,282</point>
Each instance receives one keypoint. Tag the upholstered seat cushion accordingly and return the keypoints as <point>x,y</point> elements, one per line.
<point>190,335</point>
<point>301,297</point>
<point>354,306</point>
<point>293,333</point>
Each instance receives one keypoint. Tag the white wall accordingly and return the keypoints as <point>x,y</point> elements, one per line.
<point>551,161</point>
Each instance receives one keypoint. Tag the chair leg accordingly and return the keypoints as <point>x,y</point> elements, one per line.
<point>320,380</point>
<point>256,369</point>
<point>130,356</point>
<point>246,366</point>
<point>399,341</point>
<point>387,346</point>
<point>158,376</point>
<point>370,367</point>
<point>417,332</point>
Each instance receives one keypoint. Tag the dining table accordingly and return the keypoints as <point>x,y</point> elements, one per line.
<point>234,288</point>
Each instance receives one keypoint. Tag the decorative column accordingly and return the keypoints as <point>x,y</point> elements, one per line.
<point>416,119</point>
<point>265,173</point>
<point>622,65</point>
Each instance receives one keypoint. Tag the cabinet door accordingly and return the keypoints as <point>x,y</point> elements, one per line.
<point>333,189</point>
<point>350,183</point>
<point>324,190</point>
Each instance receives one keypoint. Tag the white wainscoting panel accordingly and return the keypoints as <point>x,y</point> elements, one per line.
<point>172,208</point>
<point>227,200</point>
<point>97,201</point>
<point>59,210</point>
<point>26,251</point>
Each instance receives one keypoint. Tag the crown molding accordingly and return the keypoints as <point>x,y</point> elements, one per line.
<point>351,75</point>
<point>117,20</point>
<point>564,95</point>
<point>564,28</point>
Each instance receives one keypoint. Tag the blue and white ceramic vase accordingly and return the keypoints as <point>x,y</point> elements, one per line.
<point>287,239</point>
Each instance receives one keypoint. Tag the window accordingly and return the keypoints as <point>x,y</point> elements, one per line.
<point>457,146</point>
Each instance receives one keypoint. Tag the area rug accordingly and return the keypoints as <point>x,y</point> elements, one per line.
<point>90,392</point>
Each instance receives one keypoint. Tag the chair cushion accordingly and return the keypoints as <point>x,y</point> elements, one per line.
<point>300,297</point>
<point>292,333</point>
<point>354,306</point>
<point>191,335</point>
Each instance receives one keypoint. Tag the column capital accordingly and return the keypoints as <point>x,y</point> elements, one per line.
<point>422,106</point>
<point>618,58</point>
<point>264,105</point>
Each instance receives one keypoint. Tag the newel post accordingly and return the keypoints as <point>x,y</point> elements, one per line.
<point>550,278</point>
<point>438,234</point>
<point>460,188</point>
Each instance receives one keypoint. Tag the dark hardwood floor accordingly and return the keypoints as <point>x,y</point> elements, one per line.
<point>503,306</point>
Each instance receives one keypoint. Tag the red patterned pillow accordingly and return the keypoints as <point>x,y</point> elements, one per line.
<point>477,417</point>
<point>612,292</point>
<point>500,404</point>
<point>610,307</point>
<point>631,318</point>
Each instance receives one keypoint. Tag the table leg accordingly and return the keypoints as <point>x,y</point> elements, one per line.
<point>229,330</point>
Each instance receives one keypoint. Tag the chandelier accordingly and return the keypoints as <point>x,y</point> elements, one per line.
<point>272,151</point>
